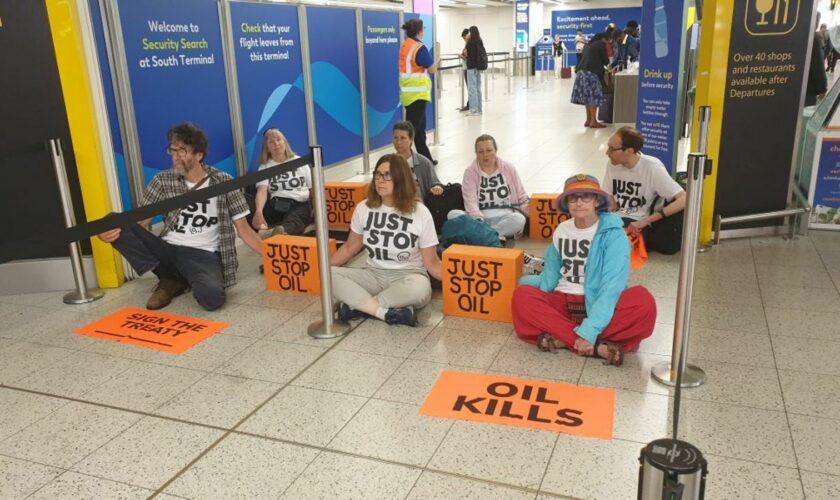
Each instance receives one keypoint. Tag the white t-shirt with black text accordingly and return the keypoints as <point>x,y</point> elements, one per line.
<point>635,188</point>
<point>197,225</point>
<point>294,185</point>
<point>392,239</point>
<point>573,244</point>
<point>494,193</point>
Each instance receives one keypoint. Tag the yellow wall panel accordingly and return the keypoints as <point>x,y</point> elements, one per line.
<point>81,116</point>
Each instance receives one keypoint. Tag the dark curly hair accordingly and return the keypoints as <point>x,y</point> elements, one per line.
<point>191,136</point>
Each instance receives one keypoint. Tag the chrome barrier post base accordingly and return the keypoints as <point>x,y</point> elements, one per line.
<point>85,297</point>
<point>693,376</point>
<point>321,330</point>
<point>327,327</point>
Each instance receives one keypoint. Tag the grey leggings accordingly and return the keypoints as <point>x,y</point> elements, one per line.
<point>392,288</point>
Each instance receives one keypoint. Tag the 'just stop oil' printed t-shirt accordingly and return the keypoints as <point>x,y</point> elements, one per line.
<point>197,225</point>
<point>493,194</point>
<point>573,244</point>
<point>392,239</point>
<point>635,189</point>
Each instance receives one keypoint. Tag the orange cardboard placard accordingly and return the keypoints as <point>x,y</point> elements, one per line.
<point>535,404</point>
<point>152,329</point>
<point>290,264</point>
<point>478,282</point>
<point>342,198</point>
<point>544,217</point>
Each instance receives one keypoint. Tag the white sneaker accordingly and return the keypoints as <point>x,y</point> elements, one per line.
<point>533,264</point>
<point>474,113</point>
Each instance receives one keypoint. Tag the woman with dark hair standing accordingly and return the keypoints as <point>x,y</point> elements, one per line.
<point>415,85</point>
<point>398,233</point>
<point>587,90</point>
<point>476,62</point>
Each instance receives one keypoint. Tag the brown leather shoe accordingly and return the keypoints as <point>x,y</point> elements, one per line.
<point>166,290</point>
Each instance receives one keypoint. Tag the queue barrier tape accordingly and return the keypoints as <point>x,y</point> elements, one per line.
<point>20,249</point>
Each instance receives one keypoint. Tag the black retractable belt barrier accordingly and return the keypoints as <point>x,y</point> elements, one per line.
<point>20,249</point>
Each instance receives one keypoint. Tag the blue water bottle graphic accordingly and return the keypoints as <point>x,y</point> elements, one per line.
<point>660,30</point>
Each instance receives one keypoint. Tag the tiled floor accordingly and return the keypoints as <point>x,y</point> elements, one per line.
<point>264,411</point>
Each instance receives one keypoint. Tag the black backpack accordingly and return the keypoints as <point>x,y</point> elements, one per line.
<point>482,58</point>
<point>441,205</point>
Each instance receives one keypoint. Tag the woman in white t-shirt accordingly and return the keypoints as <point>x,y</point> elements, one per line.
<point>399,236</point>
<point>493,191</point>
<point>282,201</point>
<point>581,301</point>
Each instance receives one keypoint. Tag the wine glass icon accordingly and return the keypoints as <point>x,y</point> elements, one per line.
<point>763,7</point>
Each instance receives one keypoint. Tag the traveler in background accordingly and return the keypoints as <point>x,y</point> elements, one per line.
<point>635,180</point>
<point>558,55</point>
<point>421,167</point>
<point>475,51</point>
<point>282,202</point>
<point>587,90</point>
<point>608,36</point>
<point>632,28</point>
<point>817,84</point>
<point>415,64</point>
<point>493,191</point>
<point>197,247</point>
<point>465,36</point>
<point>580,44</point>
<point>399,235</point>
<point>580,301</point>
<point>626,48</point>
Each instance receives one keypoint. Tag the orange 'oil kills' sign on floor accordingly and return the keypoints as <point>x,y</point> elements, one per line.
<point>571,409</point>
<point>152,329</point>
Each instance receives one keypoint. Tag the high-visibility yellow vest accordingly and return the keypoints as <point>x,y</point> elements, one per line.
<point>415,83</point>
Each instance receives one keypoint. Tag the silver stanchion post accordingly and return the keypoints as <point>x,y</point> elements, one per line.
<point>360,44</point>
<point>328,327</point>
<point>462,85</point>
<point>486,93</point>
<point>528,71</point>
<point>507,75</point>
<point>81,295</point>
<point>667,372</point>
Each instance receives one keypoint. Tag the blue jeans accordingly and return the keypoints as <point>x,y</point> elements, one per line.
<point>510,225</point>
<point>474,88</point>
<point>200,268</point>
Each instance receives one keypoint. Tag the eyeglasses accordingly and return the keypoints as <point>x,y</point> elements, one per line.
<point>176,151</point>
<point>382,176</point>
<point>611,149</point>
<point>577,197</point>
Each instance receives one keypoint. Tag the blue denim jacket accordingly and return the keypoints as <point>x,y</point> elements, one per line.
<point>607,272</point>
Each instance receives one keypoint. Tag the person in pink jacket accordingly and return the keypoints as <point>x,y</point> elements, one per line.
<point>493,191</point>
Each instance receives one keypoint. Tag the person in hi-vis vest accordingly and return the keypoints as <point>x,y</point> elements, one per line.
<point>415,85</point>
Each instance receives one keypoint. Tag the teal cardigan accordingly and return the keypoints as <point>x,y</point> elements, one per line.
<point>607,272</point>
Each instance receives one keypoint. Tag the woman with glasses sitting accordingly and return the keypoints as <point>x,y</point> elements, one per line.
<point>581,301</point>
<point>399,236</point>
<point>282,202</point>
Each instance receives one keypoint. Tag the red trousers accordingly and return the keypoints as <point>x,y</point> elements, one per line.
<point>535,311</point>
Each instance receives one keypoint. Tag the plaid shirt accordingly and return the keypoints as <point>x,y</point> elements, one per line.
<point>168,184</point>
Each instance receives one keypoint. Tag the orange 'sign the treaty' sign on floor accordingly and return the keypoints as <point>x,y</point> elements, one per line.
<point>152,329</point>
<point>571,409</point>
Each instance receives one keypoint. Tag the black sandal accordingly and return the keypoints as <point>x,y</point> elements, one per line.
<point>615,353</point>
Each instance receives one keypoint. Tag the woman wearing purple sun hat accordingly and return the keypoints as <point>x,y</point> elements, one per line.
<point>581,301</point>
